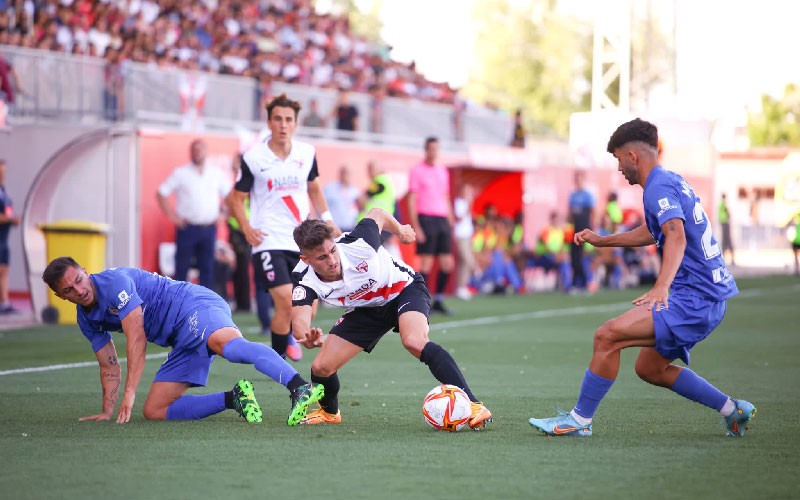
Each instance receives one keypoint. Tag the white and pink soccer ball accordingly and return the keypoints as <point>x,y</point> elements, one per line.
<point>447,408</point>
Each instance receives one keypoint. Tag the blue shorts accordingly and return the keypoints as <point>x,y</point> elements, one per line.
<point>688,320</point>
<point>4,253</point>
<point>190,358</point>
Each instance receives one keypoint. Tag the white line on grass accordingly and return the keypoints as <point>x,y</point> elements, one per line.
<point>65,366</point>
<point>487,320</point>
<point>549,313</point>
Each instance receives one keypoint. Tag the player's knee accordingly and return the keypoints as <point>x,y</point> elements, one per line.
<point>415,344</point>
<point>651,374</point>
<point>152,412</point>
<point>322,369</point>
<point>604,339</point>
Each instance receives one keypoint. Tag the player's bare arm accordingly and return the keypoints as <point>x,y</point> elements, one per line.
<point>235,203</point>
<point>301,327</point>
<point>110,376</point>
<point>672,256</point>
<point>133,327</point>
<point>639,237</point>
<point>413,217</point>
<point>386,221</point>
<point>317,197</point>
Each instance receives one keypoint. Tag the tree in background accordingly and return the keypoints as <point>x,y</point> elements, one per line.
<point>778,122</point>
<point>532,57</point>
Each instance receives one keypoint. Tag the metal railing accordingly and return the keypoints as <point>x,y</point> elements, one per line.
<point>66,87</point>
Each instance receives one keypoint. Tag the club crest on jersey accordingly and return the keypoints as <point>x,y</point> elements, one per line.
<point>362,290</point>
<point>299,293</point>
<point>362,267</point>
<point>113,310</point>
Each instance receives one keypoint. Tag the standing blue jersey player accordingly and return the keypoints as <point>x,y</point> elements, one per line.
<point>191,319</point>
<point>686,303</point>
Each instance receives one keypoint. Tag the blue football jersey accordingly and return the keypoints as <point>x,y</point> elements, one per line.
<point>703,271</point>
<point>119,291</point>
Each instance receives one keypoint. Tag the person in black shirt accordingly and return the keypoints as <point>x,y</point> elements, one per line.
<point>345,113</point>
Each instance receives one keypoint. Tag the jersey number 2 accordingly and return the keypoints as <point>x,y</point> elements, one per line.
<point>710,249</point>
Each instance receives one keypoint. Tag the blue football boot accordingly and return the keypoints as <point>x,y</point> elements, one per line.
<point>561,425</point>
<point>736,422</point>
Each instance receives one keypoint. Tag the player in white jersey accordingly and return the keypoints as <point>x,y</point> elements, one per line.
<point>280,176</point>
<point>381,294</point>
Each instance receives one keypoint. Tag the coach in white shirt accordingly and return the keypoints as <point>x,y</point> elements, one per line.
<point>199,190</point>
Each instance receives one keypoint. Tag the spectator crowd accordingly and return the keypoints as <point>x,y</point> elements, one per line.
<point>268,40</point>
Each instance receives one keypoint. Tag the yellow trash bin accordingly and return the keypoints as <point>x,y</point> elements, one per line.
<point>85,242</point>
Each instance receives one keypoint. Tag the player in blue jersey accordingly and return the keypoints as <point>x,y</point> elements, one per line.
<point>684,306</point>
<point>191,319</point>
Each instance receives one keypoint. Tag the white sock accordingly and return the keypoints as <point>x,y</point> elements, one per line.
<point>727,408</point>
<point>581,420</point>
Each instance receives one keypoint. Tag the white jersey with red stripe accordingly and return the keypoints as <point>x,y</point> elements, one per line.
<point>278,191</point>
<point>371,276</point>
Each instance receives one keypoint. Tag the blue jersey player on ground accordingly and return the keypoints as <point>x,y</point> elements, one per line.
<point>191,319</point>
<point>684,306</point>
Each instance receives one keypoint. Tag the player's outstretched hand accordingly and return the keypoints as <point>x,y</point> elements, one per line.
<point>407,234</point>
<point>101,416</point>
<point>658,297</point>
<point>312,338</point>
<point>124,413</point>
<point>586,236</point>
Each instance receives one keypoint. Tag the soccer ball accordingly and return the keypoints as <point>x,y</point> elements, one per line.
<point>447,408</point>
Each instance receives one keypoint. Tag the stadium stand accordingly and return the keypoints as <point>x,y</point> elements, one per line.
<point>250,49</point>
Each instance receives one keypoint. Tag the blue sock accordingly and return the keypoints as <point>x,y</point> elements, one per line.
<point>694,387</point>
<point>267,361</point>
<point>196,407</point>
<point>593,390</point>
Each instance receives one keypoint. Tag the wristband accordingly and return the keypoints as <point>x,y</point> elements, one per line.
<point>326,216</point>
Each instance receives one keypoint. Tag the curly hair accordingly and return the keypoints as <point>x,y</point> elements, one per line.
<point>312,233</point>
<point>283,102</point>
<point>636,130</point>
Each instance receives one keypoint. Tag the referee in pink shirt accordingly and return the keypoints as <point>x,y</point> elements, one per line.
<point>431,217</point>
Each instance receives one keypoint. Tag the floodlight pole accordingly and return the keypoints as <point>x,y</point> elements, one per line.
<point>611,56</point>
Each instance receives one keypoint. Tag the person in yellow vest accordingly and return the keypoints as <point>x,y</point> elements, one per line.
<point>484,239</point>
<point>380,194</point>
<point>552,250</point>
<point>241,274</point>
<point>613,210</point>
<point>724,217</point>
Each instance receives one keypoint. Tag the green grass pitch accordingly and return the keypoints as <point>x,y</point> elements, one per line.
<point>521,355</point>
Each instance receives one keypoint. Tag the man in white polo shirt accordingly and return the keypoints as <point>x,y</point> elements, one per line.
<point>199,190</point>
<point>280,175</point>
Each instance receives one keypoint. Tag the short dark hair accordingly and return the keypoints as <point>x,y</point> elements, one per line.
<point>312,233</point>
<point>283,102</point>
<point>430,139</point>
<point>56,269</point>
<point>636,130</point>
